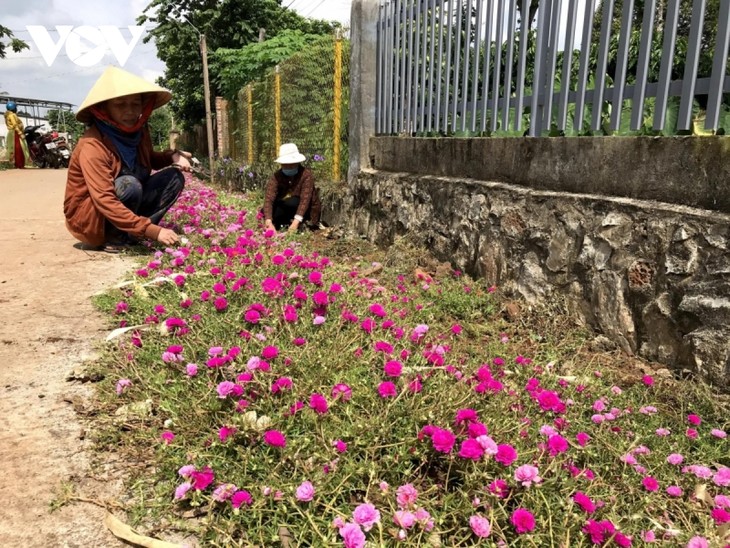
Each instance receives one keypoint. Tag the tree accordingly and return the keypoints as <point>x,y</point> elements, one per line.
<point>16,44</point>
<point>160,124</point>
<point>65,121</point>
<point>226,24</point>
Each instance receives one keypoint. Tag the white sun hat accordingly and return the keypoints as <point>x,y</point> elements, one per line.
<point>289,154</point>
<point>115,82</point>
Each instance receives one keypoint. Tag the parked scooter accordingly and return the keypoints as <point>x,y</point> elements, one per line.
<point>44,150</point>
<point>62,149</point>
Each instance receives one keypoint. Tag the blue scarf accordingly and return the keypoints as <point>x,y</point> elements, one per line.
<point>126,143</point>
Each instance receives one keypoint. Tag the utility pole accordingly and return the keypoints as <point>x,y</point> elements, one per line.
<point>208,117</point>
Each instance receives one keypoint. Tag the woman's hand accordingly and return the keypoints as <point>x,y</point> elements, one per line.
<point>168,237</point>
<point>181,159</point>
<point>294,226</point>
<point>269,225</point>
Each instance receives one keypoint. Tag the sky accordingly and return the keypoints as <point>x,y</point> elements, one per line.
<point>79,62</point>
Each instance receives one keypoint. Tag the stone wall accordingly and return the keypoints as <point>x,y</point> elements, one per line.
<point>654,277</point>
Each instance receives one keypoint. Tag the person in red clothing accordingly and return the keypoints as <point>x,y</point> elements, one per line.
<point>291,197</point>
<point>112,198</point>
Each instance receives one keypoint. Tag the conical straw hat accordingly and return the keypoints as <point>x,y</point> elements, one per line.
<point>116,82</point>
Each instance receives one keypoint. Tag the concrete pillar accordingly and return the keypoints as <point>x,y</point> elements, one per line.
<point>363,53</point>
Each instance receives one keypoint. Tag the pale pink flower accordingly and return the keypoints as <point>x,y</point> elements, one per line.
<point>698,542</point>
<point>527,475</point>
<point>366,515</point>
<point>480,526</point>
<point>675,459</point>
<point>406,495</point>
<point>305,492</point>
<point>674,491</point>
<point>404,518</point>
<point>122,385</point>
<point>722,477</point>
<point>182,490</point>
<point>352,535</point>
<point>718,433</point>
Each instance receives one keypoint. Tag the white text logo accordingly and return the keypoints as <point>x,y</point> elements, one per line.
<point>77,40</point>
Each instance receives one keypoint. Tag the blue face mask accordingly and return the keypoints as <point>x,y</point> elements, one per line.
<point>290,172</point>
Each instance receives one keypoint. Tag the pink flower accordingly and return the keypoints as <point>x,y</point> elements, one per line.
<point>201,479</point>
<point>352,536</point>
<point>274,438</point>
<point>557,444</point>
<point>582,438</point>
<point>443,440</point>
<point>650,484</point>
<point>366,515</point>
<point>648,536</point>
<point>342,391</point>
<point>226,432</point>
<point>341,447</point>
<point>387,390</point>
<point>480,526</point>
<point>182,489</point>
<point>722,501</point>
<point>523,520</point>
<point>167,437</point>
<point>674,491</point>
<point>722,477</point>
<point>499,488</point>
<point>585,502</point>
<point>718,433</point>
<point>393,368</point>
<point>527,475</point>
<point>305,492</point>
<point>692,433</point>
<point>698,542</point>
<point>241,497</point>
<point>694,420</point>
<point>648,380</point>
<point>318,403</point>
<point>191,369</point>
<point>122,385</point>
<point>720,516</point>
<point>223,492</point>
<point>406,495</point>
<point>404,518</point>
<point>506,454</point>
<point>471,449</point>
<point>675,459</point>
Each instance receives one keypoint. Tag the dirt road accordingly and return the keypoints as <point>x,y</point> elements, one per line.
<point>47,326</point>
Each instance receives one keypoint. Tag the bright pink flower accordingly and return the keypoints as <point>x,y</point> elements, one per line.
<point>466,415</point>
<point>692,433</point>
<point>499,487</point>
<point>582,438</point>
<point>557,444</point>
<point>274,438</point>
<point>387,390</point>
<point>384,347</point>
<point>694,420</point>
<point>319,403</point>
<point>201,479</point>
<point>366,515</point>
<point>167,437</point>
<point>305,492</point>
<point>393,368</point>
<point>443,440</point>
<point>352,536</point>
<point>340,446</point>
<point>480,526</point>
<point>650,484</point>
<point>226,432</point>
<point>523,521</point>
<point>648,380</point>
<point>341,391</point>
<point>585,502</point>
<point>240,498</point>
<point>506,454</point>
<point>471,449</point>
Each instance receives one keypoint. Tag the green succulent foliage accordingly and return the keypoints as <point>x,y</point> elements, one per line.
<point>232,24</point>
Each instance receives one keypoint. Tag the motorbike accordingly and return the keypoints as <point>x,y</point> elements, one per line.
<point>45,150</point>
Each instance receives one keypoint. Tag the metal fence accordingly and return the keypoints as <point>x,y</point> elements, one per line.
<point>481,67</point>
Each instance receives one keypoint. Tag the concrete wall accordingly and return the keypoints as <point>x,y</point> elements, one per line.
<point>689,170</point>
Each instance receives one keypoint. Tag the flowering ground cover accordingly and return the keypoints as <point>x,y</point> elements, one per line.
<point>295,399</point>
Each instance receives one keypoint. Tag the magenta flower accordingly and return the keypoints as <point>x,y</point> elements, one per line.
<point>366,515</point>
<point>443,440</point>
<point>471,449</point>
<point>378,310</point>
<point>269,352</point>
<point>650,484</point>
<point>200,479</point>
<point>226,432</point>
<point>305,492</point>
<point>387,390</point>
<point>694,420</point>
<point>585,502</point>
<point>499,487</point>
<point>506,454</point>
<point>167,437</point>
<point>480,526</point>
<point>274,438</point>
<point>319,403</point>
<point>523,521</point>
<point>582,438</point>
<point>557,444</point>
<point>240,498</point>
<point>393,368</point>
<point>341,391</point>
<point>352,536</point>
<point>720,515</point>
<point>340,446</point>
<point>221,303</point>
